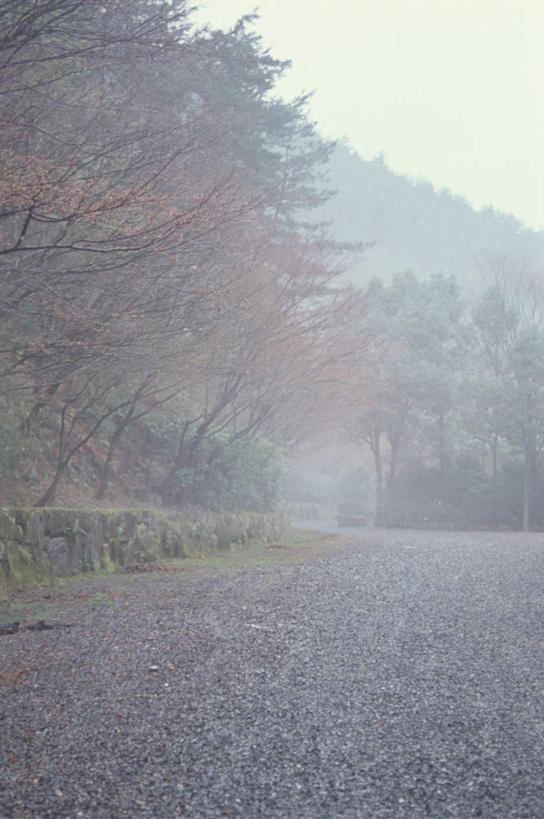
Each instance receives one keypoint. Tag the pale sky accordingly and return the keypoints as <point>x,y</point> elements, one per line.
<point>448,90</point>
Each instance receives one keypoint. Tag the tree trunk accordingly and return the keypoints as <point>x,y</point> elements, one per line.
<point>105,473</point>
<point>49,494</point>
<point>526,496</point>
<point>390,485</point>
<point>443,453</point>
<point>494,459</point>
<point>379,515</point>
<point>494,475</point>
<point>114,441</point>
<point>183,455</point>
<point>529,460</point>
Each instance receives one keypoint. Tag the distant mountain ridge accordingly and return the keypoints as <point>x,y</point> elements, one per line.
<point>415,227</point>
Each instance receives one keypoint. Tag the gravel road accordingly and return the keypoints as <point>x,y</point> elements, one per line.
<point>400,677</point>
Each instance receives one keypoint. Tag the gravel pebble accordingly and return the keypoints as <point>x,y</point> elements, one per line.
<point>401,678</point>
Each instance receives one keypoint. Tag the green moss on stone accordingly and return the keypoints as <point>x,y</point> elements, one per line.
<point>103,540</point>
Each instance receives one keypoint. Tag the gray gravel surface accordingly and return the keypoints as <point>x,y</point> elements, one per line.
<point>402,677</point>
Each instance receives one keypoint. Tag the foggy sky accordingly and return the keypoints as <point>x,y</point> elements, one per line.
<point>448,90</point>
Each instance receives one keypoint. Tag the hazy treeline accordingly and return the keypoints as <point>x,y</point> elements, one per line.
<point>414,226</point>
<point>161,296</point>
<point>453,410</point>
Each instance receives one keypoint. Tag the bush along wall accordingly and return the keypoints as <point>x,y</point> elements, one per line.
<point>37,545</point>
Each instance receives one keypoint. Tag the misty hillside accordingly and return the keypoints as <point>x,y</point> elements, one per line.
<point>415,227</point>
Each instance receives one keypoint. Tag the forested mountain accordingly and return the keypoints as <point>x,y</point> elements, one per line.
<point>414,227</point>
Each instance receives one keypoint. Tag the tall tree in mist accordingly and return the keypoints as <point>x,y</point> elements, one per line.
<point>510,325</point>
<point>407,401</point>
<point>150,175</point>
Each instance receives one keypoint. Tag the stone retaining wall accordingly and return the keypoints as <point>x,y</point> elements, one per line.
<point>37,545</point>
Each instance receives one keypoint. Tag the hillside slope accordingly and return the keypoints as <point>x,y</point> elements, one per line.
<point>415,227</point>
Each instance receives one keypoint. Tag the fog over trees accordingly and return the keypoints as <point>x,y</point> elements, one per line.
<point>177,318</point>
<point>413,226</point>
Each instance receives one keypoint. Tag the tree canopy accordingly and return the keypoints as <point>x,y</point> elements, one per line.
<point>156,267</point>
